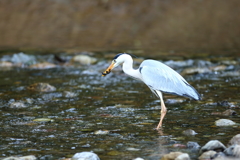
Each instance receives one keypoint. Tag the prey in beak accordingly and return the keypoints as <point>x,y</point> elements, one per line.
<point>108,70</point>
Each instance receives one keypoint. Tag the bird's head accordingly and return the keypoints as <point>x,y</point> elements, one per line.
<point>117,60</point>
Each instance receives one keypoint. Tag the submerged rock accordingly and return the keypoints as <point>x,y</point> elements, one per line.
<point>224,122</point>
<point>228,112</point>
<point>85,156</point>
<point>41,87</point>
<point>213,145</point>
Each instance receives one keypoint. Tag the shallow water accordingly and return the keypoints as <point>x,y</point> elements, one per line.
<point>122,106</point>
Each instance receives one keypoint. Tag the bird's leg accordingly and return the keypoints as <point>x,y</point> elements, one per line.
<point>163,110</point>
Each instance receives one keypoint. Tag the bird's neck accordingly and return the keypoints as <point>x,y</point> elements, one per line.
<point>129,70</point>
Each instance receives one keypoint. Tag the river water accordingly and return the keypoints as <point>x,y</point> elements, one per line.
<point>114,116</point>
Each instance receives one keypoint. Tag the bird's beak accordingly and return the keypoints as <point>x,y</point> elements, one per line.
<point>108,70</point>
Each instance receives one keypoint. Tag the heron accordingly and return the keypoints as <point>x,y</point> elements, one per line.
<point>159,77</point>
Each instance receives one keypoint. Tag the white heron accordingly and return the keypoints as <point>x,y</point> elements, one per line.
<point>157,76</point>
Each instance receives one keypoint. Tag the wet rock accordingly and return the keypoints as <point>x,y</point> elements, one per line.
<point>176,156</point>
<point>213,145</point>
<point>195,70</point>
<point>224,122</point>
<point>233,151</point>
<point>30,157</point>
<point>41,87</point>
<point>207,155</point>
<point>101,132</point>
<point>183,156</point>
<point>84,59</point>
<point>234,140</point>
<point>225,104</point>
<point>17,105</point>
<point>189,132</point>
<point>23,58</point>
<point>44,65</point>
<point>68,94</point>
<point>6,64</point>
<point>193,145</point>
<point>226,158</point>
<point>85,156</point>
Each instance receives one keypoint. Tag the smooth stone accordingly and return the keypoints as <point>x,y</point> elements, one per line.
<point>189,132</point>
<point>84,59</point>
<point>207,155</point>
<point>138,158</point>
<point>233,151</point>
<point>85,156</point>
<point>175,155</point>
<point>183,156</point>
<point>213,145</point>
<point>234,140</point>
<point>224,122</point>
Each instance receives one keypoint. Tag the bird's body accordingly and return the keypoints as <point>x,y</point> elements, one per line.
<point>157,76</point>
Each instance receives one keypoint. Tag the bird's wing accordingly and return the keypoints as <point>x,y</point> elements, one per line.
<point>158,76</point>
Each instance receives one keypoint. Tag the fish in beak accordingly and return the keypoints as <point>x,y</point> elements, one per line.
<point>108,70</point>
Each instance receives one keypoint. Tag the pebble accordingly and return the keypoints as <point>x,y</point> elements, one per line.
<point>85,156</point>
<point>224,122</point>
<point>41,87</point>
<point>101,132</point>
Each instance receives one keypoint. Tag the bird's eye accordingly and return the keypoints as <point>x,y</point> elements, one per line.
<point>114,61</point>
